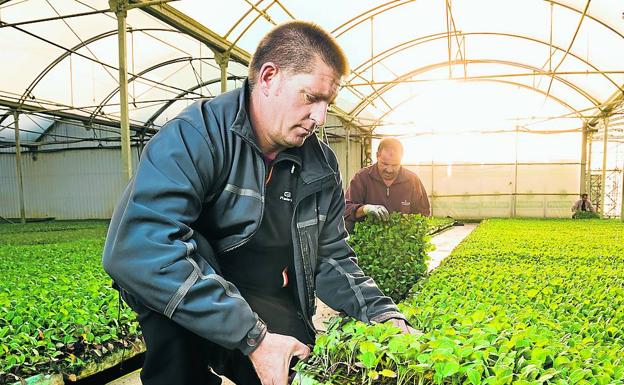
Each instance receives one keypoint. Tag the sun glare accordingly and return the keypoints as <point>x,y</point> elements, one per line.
<point>448,122</point>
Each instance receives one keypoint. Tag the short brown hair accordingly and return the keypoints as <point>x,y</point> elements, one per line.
<point>294,46</point>
<point>391,144</point>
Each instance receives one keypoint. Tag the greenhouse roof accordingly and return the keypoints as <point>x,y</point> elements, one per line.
<point>533,65</point>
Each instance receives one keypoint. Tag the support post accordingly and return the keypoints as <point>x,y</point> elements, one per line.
<point>584,176</point>
<point>603,183</point>
<point>515,190</point>
<point>590,145</point>
<point>367,144</point>
<point>622,201</point>
<point>120,8</point>
<point>348,140</point>
<point>223,59</point>
<point>18,167</point>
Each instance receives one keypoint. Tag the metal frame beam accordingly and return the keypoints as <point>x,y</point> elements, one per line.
<point>362,17</point>
<point>184,23</point>
<point>363,67</point>
<point>584,137</point>
<point>604,165</point>
<point>23,107</point>
<point>120,7</point>
<point>364,103</point>
<point>62,17</point>
<point>622,198</point>
<point>559,101</point>
<point>104,101</point>
<point>73,50</point>
<point>155,115</point>
<point>18,168</point>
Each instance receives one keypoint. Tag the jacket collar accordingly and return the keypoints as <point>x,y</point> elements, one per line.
<point>311,158</point>
<point>242,123</point>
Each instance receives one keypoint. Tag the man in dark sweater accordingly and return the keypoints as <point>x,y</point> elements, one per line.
<point>385,187</point>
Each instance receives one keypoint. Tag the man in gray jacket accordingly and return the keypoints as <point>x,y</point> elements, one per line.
<point>233,225</point>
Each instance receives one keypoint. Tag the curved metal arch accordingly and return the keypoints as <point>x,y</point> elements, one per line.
<point>240,19</point>
<point>258,16</point>
<point>443,35</point>
<point>261,13</point>
<point>362,17</point>
<point>140,74</point>
<point>370,98</point>
<point>609,27</point>
<point>149,122</point>
<point>508,82</point>
<point>72,50</point>
<point>5,116</point>
<point>252,7</point>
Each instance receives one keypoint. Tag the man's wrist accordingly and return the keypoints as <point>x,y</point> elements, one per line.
<point>383,317</point>
<point>358,211</point>
<point>253,338</point>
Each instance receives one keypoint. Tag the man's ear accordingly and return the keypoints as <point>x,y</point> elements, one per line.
<point>267,77</point>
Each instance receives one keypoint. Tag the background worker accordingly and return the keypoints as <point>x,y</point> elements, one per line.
<point>385,187</point>
<point>582,204</point>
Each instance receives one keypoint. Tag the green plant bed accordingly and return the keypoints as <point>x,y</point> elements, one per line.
<point>520,302</point>
<point>438,224</point>
<point>58,310</point>
<point>51,232</point>
<point>586,215</point>
<point>393,253</point>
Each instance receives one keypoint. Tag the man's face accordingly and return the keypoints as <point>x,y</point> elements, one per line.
<point>388,164</point>
<point>584,197</point>
<point>299,103</point>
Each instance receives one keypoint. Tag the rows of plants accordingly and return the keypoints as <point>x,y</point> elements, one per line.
<point>58,310</point>
<point>437,224</point>
<point>394,253</point>
<point>38,233</point>
<point>521,302</point>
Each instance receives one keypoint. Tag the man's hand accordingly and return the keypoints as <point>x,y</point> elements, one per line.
<point>377,211</point>
<point>271,359</point>
<point>405,328</point>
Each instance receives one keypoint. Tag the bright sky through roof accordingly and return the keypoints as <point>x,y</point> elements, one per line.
<point>476,122</point>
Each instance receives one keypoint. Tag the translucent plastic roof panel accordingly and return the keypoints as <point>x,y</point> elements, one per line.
<point>559,61</point>
<point>31,127</point>
<point>70,65</point>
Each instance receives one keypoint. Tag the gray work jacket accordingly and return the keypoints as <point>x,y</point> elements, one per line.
<point>198,193</point>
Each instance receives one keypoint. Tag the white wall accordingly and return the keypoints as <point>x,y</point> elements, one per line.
<point>482,191</point>
<point>72,184</point>
<point>339,145</point>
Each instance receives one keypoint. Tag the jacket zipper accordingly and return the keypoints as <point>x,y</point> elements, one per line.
<point>304,305</point>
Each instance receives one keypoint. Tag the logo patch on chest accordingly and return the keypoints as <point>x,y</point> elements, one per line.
<point>406,203</point>
<point>286,196</point>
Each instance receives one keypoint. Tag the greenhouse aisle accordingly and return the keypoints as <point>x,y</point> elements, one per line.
<point>444,242</point>
<point>447,241</point>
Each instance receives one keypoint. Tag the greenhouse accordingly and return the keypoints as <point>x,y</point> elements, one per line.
<point>507,113</point>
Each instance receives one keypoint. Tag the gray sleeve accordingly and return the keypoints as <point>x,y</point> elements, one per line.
<point>152,252</point>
